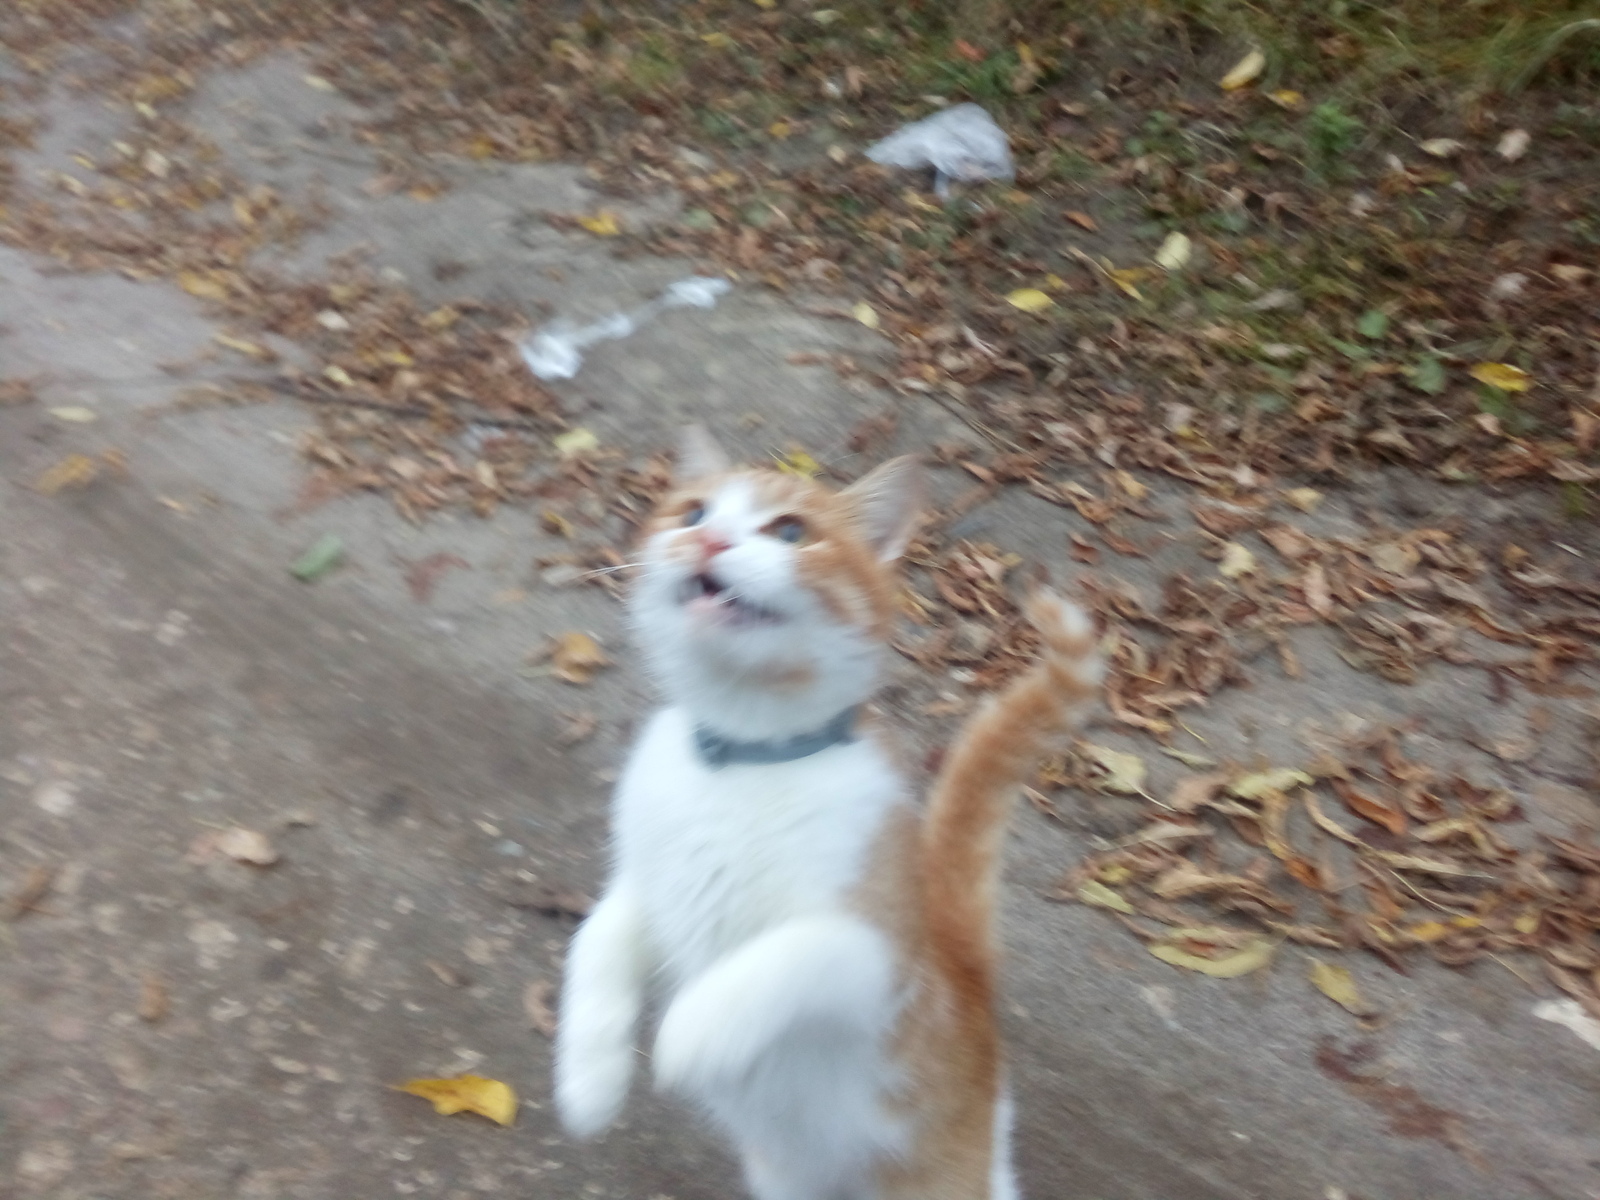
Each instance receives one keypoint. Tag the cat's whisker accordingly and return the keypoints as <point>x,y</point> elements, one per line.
<point>611,570</point>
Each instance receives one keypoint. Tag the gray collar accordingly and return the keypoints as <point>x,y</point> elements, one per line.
<point>717,751</point>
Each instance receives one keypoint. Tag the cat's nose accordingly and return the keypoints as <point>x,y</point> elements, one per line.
<point>711,545</point>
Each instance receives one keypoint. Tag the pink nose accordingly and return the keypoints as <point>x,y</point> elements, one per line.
<point>711,545</point>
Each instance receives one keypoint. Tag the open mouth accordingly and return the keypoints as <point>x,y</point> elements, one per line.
<point>707,594</point>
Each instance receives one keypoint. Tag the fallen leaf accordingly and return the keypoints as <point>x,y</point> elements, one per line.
<point>1175,252</point>
<point>1287,98</point>
<point>1125,279</point>
<point>1314,583</point>
<point>153,999</point>
<point>1236,561</point>
<point>1279,779</point>
<point>206,287</point>
<point>1503,376</point>
<point>73,471</point>
<point>1132,486</point>
<point>1030,300</point>
<point>1185,879</point>
<point>575,657</point>
<point>1100,896</point>
<point>1124,773</point>
<point>246,846</point>
<point>575,443</point>
<point>797,462</point>
<point>1394,558</point>
<point>1370,809</point>
<point>1326,823</point>
<point>1081,219</point>
<point>1513,144</point>
<point>320,558</point>
<point>1193,791</point>
<point>74,414</point>
<point>1338,985</point>
<point>602,224</point>
<point>536,1003</point>
<point>35,887</point>
<point>466,1093</point>
<point>1570,272</point>
<point>245,347</point>
<point>1303,498</point>
<point>1430,866</point>
<point>1251,957</point>
<point>1245,72</point>
<point>1441,147</point>
<point>866,314</point>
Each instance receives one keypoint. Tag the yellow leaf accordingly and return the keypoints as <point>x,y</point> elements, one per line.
<point>1526,923</point>
<point>1245,72</point>
<point>249,349</point>
<point>1279,779</point>
<point>866,314</point>
<point>441,318</point>
<point>1252,956</point>
<point>717,41</point>
<point>1236,561</point>
<point>73,471</point>
<point>1287,98</point>
<point>602,224</point>
<point>1338,985</point>
<point>1030,300</point>
<point>1114,875</point>
<point>1503,376</point>
<point>1125,279</point>
<point>780,129</point>
<point>797,462</point>
<point>1131,485</point>
<point>1174,252</point>
<point>467,1093</point>
<point>1441,147</point>
<point>207,287</point>
<point>1124,773</point>
<point>1100,896</point>
<point>575,657</point>
<point>575,443</point>
<point>1429,931</point>
<point>1303,498</point>
<point>766,3</point>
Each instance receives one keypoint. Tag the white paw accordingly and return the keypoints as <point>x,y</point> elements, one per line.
<point>700,1042</point>
<point>591,1087</point>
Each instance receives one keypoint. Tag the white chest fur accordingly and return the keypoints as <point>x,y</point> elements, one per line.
<point>716,857</point>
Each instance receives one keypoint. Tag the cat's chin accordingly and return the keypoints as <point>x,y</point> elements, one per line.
<point>726,612</point>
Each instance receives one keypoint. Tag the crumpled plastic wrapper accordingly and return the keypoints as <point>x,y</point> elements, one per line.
<point>961,143</point>
<point>556,351</point>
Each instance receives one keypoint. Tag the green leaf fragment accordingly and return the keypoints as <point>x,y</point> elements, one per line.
<point>321,557</point>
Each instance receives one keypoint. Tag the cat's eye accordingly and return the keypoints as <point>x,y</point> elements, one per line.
<point>788,529</point>
<point>694,514</point>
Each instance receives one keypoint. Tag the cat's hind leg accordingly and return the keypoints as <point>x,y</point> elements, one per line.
<point>601,996</point>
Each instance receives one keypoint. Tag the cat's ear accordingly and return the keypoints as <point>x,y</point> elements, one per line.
<point>699,455</point>
<point>888,504</point>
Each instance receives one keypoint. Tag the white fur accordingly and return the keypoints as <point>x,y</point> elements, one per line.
<point>730,888</point>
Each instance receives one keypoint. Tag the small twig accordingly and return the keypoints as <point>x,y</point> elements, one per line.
<point>409,411</point>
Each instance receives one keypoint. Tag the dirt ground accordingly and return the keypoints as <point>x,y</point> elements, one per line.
<point>175,1023</point>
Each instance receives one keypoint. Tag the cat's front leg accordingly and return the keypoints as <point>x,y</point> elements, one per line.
<point>601,996</point>
<point>835,969</point>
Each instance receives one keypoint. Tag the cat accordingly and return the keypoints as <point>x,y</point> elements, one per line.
<point>821,946</point>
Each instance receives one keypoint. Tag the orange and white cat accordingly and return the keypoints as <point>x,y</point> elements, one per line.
<point>820,944</point>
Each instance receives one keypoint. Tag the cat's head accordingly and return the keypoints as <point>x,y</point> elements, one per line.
<point>762,581</point>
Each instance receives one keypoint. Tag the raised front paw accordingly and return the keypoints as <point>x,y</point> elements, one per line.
<point>702,1040</point>
<point>591,1086</point>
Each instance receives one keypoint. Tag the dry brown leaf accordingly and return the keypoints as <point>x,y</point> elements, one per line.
<point>575,657</point>
<point>1314,583</point>
<point>1394,558</point>
<point>246,846</point>
<point>1186,879</point>
<point>1194,791</point>
<point>1081,219</point>
<point>73,471</point>
<point>1385,815</point>
<point>466,1093</point>
<point>153,999</point>
<point>536,1003</point>
<point>1123,773</point>
<point>1326,823</point>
